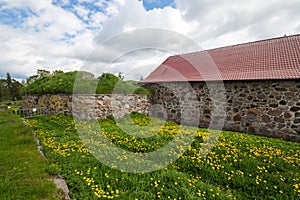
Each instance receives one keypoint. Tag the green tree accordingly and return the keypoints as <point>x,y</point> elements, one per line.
<point>15,90</point>
<point>107,82</point>
<point>4,93</point>
<point>8,83</point>
<point>121,76</point>
<point>31,79</point>
<point>10,89</point>
<point>42,73</point>
<point>56,72</point>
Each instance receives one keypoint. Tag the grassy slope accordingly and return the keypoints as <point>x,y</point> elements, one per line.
<point>22,171</point>
<point>241,166</point>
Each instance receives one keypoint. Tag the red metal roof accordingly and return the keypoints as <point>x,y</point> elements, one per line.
<point>277,58</point>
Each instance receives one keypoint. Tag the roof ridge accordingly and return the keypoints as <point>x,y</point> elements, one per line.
<point>240,44</point>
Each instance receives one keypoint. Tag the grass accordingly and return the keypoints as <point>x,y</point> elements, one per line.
<point>14,105</point>
<point>23,172</point>
<point>240,166</point>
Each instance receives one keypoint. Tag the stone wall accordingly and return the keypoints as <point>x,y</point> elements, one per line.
<point>89,106</point>
<point>269,108</point>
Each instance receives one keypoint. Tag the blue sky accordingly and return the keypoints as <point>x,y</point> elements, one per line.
<point>152,4</point>
<point>94,35</point>
<point>14,17</point>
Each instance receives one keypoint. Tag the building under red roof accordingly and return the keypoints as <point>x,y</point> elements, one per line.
<point>276,58</point>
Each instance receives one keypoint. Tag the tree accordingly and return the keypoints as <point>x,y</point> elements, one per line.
<point>56,72</point>
<point>4,94</point>
<point>15,90</point>
<point>10,89</point>
<point>42,73</point>
<point>121,76</point>
<point>8,83</point>
<point>107,83</point>
<point>8,80</point>
<point>31,79</point>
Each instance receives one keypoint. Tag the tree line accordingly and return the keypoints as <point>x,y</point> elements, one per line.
<point>10,89</point>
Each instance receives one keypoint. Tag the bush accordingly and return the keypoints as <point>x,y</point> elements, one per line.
<point>64,82</point>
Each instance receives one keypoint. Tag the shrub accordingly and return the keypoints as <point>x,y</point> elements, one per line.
<point>64,82</point>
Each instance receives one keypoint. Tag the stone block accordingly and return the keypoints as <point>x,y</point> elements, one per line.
<point>295,109</point>
<point>279,120</point>
<point>281,89</point>
<point>297,121</point>
<point>266,118</point>
<point>287,115</point>
<point>237,118</point>
<point>275,112</point>
<point>289,94</point>
<point>273,105</point>
<point>251,129</point>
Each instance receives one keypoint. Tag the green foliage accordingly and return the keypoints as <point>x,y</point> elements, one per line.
<point>43,73</point>
<point>4,91</point>
<point>64,83</point>
<point>107,83</point>
<point>240,166</point>
<point>58,83</point>
<point>10,89</point>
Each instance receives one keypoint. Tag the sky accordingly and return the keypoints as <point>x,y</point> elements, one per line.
<point>129,36</point>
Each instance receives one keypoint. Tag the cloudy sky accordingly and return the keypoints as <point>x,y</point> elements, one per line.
<point>129,36</point>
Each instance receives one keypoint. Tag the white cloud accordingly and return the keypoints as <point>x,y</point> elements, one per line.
<point>138,64</point>
<point>55,27</point>
<point>82,11</point>
<point>240,21</point>
<point>24,50</point>
<point>55,38</point>
<point>132,15</point>
<point>135,29</point>
<point>96,19</point>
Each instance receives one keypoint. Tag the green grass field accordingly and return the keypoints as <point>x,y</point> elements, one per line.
<point>23,173</point>
<point>240,166</point>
